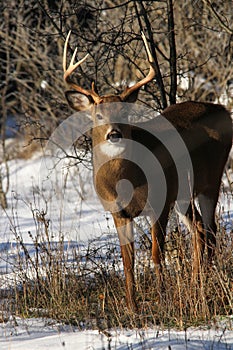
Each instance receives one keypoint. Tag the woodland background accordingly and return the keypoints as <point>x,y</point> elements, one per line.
<point>191,41</point>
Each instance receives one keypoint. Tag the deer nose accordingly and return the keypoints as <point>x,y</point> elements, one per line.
<point>114,136</point>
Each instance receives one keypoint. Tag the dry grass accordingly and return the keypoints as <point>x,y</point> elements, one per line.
<point>85,285</point>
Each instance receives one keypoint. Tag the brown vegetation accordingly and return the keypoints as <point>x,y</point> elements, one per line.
<point>85,286</point>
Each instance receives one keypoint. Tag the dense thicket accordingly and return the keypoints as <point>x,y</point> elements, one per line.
<point>32,38</point>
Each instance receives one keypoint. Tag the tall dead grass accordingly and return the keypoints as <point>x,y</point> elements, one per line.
<point>84,285</point>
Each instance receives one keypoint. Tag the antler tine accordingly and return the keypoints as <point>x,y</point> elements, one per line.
<point>148,78</point>
<point>71,68</point>
<point>65,51</point>
<point>68,71</point>
<point>149,54</point>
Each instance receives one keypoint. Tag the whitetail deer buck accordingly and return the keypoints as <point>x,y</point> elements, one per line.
<point>206,130</point>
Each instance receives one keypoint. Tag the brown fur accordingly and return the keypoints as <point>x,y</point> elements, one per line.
<point>182,115</point>
<point>206,130</point>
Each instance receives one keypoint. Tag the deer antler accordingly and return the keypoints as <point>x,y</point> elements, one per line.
<point>71,68</point>
<point>128,91</point>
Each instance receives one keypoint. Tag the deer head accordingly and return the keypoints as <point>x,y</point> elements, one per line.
<point>104,115</point>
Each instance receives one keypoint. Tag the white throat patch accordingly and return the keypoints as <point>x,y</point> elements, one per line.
<point>112,150</point>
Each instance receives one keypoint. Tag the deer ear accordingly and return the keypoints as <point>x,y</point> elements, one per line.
<point>78,101</point>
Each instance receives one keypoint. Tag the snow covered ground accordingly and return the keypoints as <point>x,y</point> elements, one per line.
<point>37,334</point>
<point>77,213</point>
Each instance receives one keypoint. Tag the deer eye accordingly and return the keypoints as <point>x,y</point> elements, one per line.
<point>99,116</point>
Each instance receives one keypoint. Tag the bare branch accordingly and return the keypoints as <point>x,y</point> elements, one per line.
<point>159,78</point>
<point>217,17</point>
<point>172,59</point>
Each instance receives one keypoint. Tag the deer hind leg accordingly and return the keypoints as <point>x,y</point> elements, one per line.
<point>125,233</point>
<point>193,221</point>
<point>195,226</point>
<point>208,206</point>
<point>158,233</point>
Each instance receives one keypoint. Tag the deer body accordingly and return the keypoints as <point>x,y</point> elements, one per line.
<point>206,130</point>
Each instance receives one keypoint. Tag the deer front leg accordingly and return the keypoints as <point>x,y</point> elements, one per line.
<point>125,233</point>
